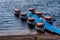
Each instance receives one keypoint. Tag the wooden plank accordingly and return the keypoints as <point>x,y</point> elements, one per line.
<point>18,37</point>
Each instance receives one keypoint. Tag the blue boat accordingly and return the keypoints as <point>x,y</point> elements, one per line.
<point>47,26</point>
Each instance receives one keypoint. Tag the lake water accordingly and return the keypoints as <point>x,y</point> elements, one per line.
<point>10,24</point>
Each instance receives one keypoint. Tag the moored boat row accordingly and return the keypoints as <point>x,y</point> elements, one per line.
<point>36,19</point>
